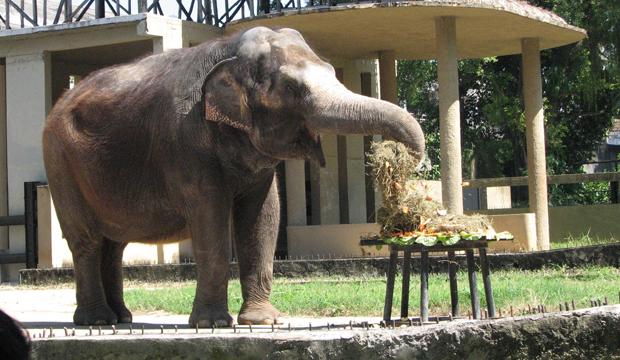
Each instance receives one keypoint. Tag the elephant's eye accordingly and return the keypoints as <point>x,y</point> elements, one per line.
<point>290,87</point>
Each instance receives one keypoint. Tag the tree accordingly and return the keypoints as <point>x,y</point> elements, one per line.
<point>581,90</point>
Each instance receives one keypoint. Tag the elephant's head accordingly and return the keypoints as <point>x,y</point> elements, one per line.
<point>275,88</point>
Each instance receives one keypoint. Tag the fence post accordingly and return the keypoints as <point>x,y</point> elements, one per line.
<point>30,202</point>
<point>68,11</point>
<point>7,14</point>
<point>99,9</point>
<point>142,8</point>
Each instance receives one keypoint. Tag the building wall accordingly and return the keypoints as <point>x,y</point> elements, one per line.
<point>4,231</point>
<point>34,71</point>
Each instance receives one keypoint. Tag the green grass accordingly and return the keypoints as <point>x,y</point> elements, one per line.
<point>581,240</point>
<point>364,296</point>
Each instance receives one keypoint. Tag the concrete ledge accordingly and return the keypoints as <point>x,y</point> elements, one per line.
<point>584,334</point>
<point>601,255</point>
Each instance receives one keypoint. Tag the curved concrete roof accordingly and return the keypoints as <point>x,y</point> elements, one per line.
<point>484,27</point>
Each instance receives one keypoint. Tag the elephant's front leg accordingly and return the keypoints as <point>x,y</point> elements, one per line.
<point>256,220</point>
<point>210,227</point>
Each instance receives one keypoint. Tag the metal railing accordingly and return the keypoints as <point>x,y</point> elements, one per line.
<point>34,13</point>
<point>29,219</point>
<point>613,178</point>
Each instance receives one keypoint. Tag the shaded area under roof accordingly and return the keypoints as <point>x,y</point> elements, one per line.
<point>484,27</point>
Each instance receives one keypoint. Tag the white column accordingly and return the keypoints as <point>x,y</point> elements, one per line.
<point>28,100</point>
<point>387,76</point>
<point>356,184</point>
<point>4,233</point>
<point>328,180</point>
<point>535,136</point>
<point>171,37</point>
<point>295,179</point>
<point>449,115</point>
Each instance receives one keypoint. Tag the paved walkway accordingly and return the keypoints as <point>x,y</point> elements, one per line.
<point>39,309</point>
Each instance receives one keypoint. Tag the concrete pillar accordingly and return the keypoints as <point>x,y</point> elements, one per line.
<point>375,92</point>
<point>535,136</point>
<point>387,76</point>
<point>295,174</point>
<point>356,184</point>
<point>28,101</point>
<point>449,115</point>
<point>328,179</point>
<point>4,231</point>
<point>171,37</point>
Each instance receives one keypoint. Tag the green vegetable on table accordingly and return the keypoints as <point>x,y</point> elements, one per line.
<point>447,239</point>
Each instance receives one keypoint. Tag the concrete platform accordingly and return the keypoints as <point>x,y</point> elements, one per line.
<point>587,333</point>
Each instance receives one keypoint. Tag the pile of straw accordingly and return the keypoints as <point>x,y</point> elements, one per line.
<point>407,207</point>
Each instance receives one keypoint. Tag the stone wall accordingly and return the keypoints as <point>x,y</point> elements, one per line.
<point>601,255</point>
<point>584,334</point>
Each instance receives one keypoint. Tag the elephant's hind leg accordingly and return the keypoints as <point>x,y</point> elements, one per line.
<point>92,307</point>
<point>112,278</point>
<point>256,228</point>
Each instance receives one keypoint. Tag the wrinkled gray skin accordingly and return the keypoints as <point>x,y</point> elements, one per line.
<point>185,144</point>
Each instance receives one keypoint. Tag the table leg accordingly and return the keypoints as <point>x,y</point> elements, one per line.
<point>473,285</point>
<point>404,304</point>
<point>424,286</point>
<point>389,288</point>
<point>486,279</point>
<point>454,291</point>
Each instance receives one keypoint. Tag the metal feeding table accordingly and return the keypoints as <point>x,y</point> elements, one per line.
<point>464,245</point>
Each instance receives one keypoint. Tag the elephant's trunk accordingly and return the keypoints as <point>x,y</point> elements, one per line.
<point>341,111</point>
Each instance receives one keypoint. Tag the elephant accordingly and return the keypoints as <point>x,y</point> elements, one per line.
<point>185,144</point>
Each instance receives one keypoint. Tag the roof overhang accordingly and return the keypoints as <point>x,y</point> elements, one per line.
<point>484,27</point>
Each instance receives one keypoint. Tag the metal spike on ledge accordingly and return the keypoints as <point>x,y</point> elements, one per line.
<point>130,329</point>
<point>161,328</point>
<point>113,330</point>
<point>66,331</point>
<point>143,329</point>
<point>73,332</point>
<point>99,330</point>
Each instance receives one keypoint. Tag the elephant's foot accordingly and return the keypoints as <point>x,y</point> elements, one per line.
<point>258,314</point>
<point>94,315</point>
<point>210,316</point>
<point>122,314</point>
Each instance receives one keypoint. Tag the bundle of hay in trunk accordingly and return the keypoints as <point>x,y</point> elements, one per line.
<point>407,207</point>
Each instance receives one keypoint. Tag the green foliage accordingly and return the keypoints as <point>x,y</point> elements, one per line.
<point>581,97</point>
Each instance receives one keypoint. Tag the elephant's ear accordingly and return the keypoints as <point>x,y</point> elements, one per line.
<point>224,98</point>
